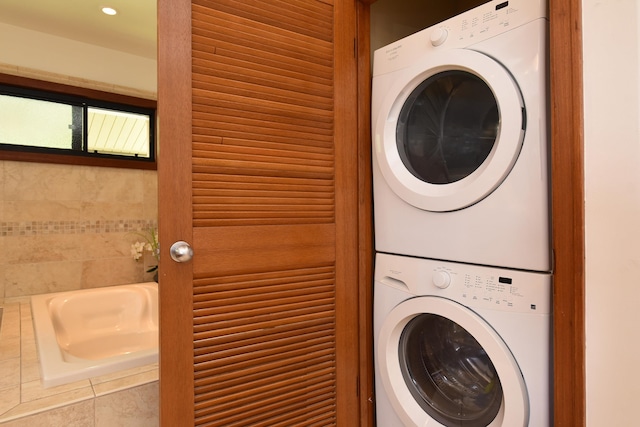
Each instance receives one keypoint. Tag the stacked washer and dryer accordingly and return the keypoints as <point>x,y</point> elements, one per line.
<point>462,292</point>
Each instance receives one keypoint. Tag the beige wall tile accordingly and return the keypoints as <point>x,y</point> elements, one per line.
<point>43,210</point>
<point>111,185</point>
<point>136,407</point>
<point>69,247</point>
<point>109,272</point>
<point>75,210</point>
<point>40,249</point>
<point>39,181</point>
<point>150,189</point>
<point>115,210</point>
<point>64,223</point>
<point>40,278</point>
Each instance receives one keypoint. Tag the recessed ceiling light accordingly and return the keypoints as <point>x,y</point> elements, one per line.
<point>109,11</point>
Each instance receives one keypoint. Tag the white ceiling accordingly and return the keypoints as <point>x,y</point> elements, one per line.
<point>132,30</point>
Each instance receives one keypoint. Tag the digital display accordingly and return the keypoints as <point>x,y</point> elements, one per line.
<point>502,5</point>
<point>506,280</point>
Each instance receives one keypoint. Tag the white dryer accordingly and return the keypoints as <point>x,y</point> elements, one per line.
<point>460,139</point>
<point>461,345</point>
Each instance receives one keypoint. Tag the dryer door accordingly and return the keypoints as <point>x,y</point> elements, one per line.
<point>442,364</point>
<point>449,130</point>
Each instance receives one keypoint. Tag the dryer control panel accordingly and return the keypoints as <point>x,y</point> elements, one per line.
<point>461,31</point>
<point>483,22</point>
<point>470,285</point>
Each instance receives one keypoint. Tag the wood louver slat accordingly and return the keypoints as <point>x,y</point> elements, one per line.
<point>263,100</point>
<point>264,348</point>
<point>303,19</point>
<point>235,29</point>
<point>263,167</point>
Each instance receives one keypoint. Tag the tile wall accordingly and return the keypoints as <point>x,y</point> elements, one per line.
<point>65,227</point>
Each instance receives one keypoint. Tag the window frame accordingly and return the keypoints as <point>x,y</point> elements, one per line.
<point>95,98</point>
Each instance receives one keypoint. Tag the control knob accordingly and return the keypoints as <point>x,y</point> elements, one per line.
<point>441,279</point>
<point>439,36</point>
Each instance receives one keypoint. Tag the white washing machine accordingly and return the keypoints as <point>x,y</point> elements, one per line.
<point>461,345</point>
<point>460,139</point>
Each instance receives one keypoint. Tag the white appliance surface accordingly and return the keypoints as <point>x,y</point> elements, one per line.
<point>508,312</point>
<point>499,214</point>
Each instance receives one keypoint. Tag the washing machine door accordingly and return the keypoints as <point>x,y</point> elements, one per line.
<point>442,365</point>
<point>449,130</point>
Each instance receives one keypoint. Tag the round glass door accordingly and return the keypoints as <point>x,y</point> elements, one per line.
<point>441,364</point>
<point>447,127</point>
<point>449,373</point>
<point>448,130</point>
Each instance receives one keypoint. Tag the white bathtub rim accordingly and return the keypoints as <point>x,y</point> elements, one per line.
<point>54,370</point>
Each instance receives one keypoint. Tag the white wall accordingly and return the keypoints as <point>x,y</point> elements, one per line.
<point>39,51</point>
<point>612,193</point>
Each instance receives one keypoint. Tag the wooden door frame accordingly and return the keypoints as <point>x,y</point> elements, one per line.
<point>174,177</point>
<point>567,188</point>
<point>365,217</point>
<point>567,172</point>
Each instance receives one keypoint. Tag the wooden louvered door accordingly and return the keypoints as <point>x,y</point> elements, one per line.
<point>258,172</point>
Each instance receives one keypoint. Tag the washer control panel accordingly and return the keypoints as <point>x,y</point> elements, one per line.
<point>492,290</point>
<point>470,285</point>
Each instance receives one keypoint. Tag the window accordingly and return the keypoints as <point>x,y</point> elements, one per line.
<point>71,127</point>
<point>119,132</point>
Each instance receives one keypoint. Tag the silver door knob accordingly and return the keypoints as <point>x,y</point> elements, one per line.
<point>181,251</point>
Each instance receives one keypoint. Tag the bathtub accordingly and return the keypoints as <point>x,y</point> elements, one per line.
<point>91,332</point>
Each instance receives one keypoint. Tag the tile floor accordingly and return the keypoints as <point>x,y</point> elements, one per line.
<point>127,398</point>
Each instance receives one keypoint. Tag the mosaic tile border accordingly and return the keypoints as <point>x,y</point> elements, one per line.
<point>36,228</point>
